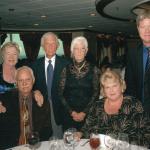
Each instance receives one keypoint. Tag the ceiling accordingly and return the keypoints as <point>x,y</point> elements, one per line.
<point>68,15</point>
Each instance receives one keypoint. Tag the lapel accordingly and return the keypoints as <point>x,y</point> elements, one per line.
<point>41,66</point>
<point>57,71</point>
<point>139,61</point>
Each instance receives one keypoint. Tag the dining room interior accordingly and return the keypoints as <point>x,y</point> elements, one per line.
<point>108,25</point>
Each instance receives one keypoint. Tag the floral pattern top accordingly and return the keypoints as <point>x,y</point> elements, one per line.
<point>130,120</point>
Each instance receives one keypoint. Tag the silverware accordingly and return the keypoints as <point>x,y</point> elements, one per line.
<point>83,144</point>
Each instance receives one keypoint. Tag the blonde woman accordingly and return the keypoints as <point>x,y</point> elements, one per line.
<point>117,113</point>
<point>10,54</point>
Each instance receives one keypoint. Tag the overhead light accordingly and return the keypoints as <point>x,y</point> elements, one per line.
<point>92,14</point>
<point>36,24</point>
<point>90,26</point>
<point>43,16</point>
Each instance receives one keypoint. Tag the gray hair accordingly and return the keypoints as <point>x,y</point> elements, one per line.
<point>45,35</point>
<point>78,40</point>
<point>27,69</point>
<point>142,15</point>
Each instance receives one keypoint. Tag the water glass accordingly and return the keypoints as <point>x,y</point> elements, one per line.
<point>123,141</point>
<point>70,138</point>
<point>110,141</point>
<point>55,144</point>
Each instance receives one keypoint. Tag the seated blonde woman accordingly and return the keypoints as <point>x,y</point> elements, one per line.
<point>117,113</point>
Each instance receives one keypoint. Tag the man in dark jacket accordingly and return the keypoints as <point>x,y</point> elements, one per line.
<point>49,87</point>
<point>137,74</point>
<point>23,115</point>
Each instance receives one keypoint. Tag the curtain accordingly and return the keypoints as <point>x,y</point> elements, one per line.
<point>31,43</point>
<point>66,39</point>
<point>3,36</point>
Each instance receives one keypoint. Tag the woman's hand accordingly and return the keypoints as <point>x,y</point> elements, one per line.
<point>78,135</point>
<point>39,98</point>
<point>2,108</point>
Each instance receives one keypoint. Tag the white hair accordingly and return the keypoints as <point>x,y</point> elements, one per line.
<point>45,35</point>
<point>77,40</point>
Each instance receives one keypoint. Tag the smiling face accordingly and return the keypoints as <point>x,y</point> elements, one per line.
<point>112,89</point>
<point>144,31</point>
<point>79,51</point>
<point>24,82</point>
<point>50,45</point>
<point>10,56</point>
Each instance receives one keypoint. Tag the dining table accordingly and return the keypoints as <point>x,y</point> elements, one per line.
<point>82,144</point>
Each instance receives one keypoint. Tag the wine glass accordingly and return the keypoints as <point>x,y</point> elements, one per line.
<point>110,141</point>
<point>70,138</point>
<point>123,141</point>
<point>94,141</point>
<point>33,140</point>
<point>55,143</point>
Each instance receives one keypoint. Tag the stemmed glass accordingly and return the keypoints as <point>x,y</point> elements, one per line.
<point>33,140</point>
<point>123,141</point>
<point>110,141</point>
<point>55,144</point>
<point>70,138</point>
<point>94,141</point>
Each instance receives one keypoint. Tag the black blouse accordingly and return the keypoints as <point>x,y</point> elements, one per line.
<point>78,88</point>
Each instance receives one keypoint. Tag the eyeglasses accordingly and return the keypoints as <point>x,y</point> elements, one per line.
<point>24,80</point>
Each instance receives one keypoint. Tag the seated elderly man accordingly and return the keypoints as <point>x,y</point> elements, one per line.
<point>21,113</point>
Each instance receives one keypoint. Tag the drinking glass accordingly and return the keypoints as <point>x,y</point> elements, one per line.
<point>123,141</point>
<point>33,140</point>
<point>94,141</point>
<point>55,144</point>
<point>70,138</point>
<point>110,141</point>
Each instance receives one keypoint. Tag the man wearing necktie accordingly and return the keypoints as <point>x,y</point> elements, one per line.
<point>23,114</point>
<point>47,72</point>
<point>138,70</point>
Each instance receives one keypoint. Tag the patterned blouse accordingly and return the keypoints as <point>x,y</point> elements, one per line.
<point>130,120</point>
<point>79,87</point>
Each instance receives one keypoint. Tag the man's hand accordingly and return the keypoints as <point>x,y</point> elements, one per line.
<point>2,108</point>
<point>39,98</point>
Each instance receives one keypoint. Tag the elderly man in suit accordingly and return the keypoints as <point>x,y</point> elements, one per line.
<point>137,74</point>
<point>47,72</point>
<point>22,113</point>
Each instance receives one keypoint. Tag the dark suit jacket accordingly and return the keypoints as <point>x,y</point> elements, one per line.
<point>40,83</point>
<point>10,121</point>
<point>134,76</point>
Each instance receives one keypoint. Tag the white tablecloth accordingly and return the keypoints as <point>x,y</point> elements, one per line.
<point>45,145</point>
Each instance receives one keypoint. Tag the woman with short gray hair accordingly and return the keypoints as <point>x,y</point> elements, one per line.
<point>79,85</point>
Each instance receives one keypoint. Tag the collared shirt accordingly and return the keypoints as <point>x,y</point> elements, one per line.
<point>47,62</point>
